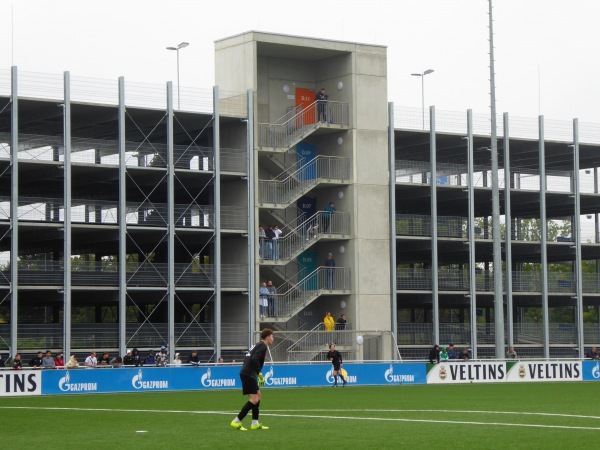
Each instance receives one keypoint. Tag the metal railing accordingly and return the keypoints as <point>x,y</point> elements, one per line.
<point>105,336</point>
<point>523,334</point>
<point>522,281</point>
<point>289,303</point>
<point>319,169</point>
<point>319,225</point>
<point>292,128</point>
<point>44,209</point>
<point>100,273</point>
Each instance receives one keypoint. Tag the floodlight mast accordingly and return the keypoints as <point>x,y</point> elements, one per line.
<point>497,249</point>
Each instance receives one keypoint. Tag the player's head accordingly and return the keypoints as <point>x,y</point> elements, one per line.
<point>267,336</point>
<point>332,346</point>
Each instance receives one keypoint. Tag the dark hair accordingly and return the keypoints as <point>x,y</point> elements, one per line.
<point>265,333</point>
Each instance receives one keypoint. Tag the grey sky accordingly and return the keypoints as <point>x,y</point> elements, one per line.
<point>547,51</point>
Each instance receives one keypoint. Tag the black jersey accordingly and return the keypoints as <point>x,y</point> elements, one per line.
<point>254,360</point>
<point>335,357</point>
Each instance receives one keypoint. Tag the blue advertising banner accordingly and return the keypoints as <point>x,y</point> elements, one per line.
<point>591,370</point>
<point>82,381</point>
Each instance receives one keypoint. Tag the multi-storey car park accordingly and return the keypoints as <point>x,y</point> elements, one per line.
<point>155,200</point>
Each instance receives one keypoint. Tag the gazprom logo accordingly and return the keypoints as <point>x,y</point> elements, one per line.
<point>138,383</point>
<point>272,380</point>
<point>391,378</point>
<point>596,370</point>
<point>65,385</point>
<point>208,381</point>
<point>349,378</point>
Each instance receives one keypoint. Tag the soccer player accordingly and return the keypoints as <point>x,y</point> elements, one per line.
<point>336,359</point>
<point>251,376</point>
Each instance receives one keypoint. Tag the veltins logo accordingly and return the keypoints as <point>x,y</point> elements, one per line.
<point>330,379</point>
<point>391,378</point>
<point>272,380</point>
<point>442,372</point>
<point>138,383</point>
<point>208,381</point>
<point>65,385</point>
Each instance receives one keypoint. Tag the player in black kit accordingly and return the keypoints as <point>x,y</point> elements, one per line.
<point>336,359</point>
<point>251,377</point>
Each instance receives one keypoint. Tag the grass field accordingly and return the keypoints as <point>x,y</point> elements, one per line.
<point>507,415</point>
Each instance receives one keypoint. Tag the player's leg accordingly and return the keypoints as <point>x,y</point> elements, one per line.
<point>256,425</point>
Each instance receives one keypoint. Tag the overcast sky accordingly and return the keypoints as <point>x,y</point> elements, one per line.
<point>547,51</point>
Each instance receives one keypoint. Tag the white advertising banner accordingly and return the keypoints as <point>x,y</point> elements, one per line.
<point>20,382</point>
<point>466,372</point>
<point>545,371</point>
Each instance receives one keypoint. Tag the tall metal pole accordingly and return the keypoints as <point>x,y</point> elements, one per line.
<point>423,98</point>
<point>178,91</point>
<point>497,249</point>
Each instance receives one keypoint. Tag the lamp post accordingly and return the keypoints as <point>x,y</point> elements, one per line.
<point>422,75</point>
<point>180,46</point>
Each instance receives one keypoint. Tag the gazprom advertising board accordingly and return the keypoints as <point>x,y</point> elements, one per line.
<point>591,370</point>
<point>81,381</point>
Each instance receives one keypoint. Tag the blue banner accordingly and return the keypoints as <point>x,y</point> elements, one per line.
<point>83,381</point>
<point>591,370</point>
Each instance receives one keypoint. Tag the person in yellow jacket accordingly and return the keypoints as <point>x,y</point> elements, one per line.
<point>329,322</point>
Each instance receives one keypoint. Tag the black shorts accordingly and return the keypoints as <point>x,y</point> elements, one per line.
<point>249,385</point>
<point>336,367</point>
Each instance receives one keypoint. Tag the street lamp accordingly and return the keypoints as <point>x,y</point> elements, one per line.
<point>422,75</point>
<point>180,46</point>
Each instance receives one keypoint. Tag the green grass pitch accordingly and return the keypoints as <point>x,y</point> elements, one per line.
<point>473,416</point>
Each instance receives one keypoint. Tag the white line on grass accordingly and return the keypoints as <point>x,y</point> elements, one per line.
<point>445,411</point>
<point>309,416</point>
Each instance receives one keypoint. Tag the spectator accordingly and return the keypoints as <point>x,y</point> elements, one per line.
<point>128,358</point>
<point>72,363</point>
<point>329,323</point>
<point>329,210</point>
<point>593,354</point>
<point>268,248</point>
<point>91,361</point>
<point>137,359</point>
<point>221,360</point>
<point>341,323</point>
<point>48,361</point>
<point>105,360</point>
<point>464,354</point>
<point>177,361</point>
<point>2,362</point>
<point>116,362</point>
<point>272,293</point>
<point>261,242</point>
<point>36,362</point>
<point>17,364</point>
<point>434,354</point>
<point>150,359</point>
<point>321,100</point>
<point>444,355</point>
<point>511,354</point>
<point>162,357</point>
<point>194,359</point>
<point>276,233</point>
<point>451,352</point>
<point>59,362</point>
<point>263,295</point>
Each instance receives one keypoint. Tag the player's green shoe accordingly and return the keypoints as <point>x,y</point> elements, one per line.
<point>238,426</point>
<point>259,426</point>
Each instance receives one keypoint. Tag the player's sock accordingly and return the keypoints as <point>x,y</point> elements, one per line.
<point>335,378</point>
<point>245,410</point>
<point>255,412</point>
